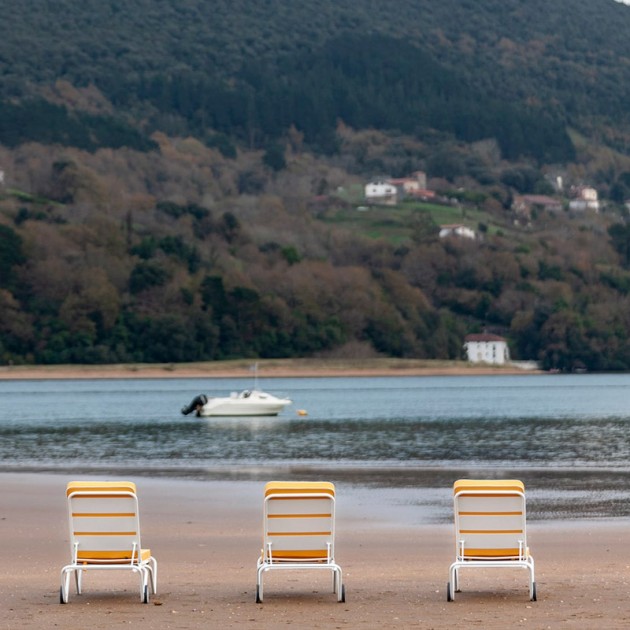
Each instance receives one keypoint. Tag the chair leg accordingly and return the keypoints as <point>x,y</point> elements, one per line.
<point>144,585</point>
<point>532,585</point>
<point>259,586</point>
<point>152,566</point>
<point>452,585</point>
<point>78,574</point>
<point>340,590</point>
<point>64,591</point>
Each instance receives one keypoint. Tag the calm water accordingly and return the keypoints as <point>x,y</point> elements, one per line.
<point>568,437</point>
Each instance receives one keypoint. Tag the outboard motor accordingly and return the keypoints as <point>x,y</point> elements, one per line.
<point>195,404</point>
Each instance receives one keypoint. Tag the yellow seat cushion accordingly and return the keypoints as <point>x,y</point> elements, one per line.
<point>110,557</point>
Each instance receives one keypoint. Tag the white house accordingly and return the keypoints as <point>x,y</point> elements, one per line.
<point>487,348</point>
<point>381,192</point>
<point>457,229</point>
<point>585,199</point>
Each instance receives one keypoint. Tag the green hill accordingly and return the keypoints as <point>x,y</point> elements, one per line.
<point>182,179</point>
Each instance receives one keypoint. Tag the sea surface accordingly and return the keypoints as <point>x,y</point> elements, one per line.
<point>566,436</point>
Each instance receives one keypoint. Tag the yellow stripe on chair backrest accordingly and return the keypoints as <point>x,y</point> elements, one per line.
<point>100,486</point>
<point>488,484</point>
<point>299,520</point>
<point>490,517</point>
<point>299,487</point>
<point>104,519</point>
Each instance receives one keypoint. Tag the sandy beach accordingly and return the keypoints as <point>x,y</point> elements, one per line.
<point>206,536</point>
<point>270,368</point>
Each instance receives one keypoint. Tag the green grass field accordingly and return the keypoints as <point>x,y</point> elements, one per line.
<point>397,223</point>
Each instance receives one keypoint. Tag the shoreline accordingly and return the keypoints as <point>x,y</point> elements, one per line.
<point>422,492</point>
<point>271,368</point>
<point>206,538</point>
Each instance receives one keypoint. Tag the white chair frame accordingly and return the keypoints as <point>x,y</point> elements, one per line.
<point>522,561</point>
<point>145,569</point>
<point>267,563</point>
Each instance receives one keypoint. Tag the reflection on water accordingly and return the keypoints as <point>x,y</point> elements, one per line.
<point>567,436</point>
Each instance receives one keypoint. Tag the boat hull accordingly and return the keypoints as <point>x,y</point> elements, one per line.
<point>254,403</point>
<point>235,410</point>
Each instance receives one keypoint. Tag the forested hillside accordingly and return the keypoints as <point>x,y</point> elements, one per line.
<point>517,71</point>
<point>182,178</point>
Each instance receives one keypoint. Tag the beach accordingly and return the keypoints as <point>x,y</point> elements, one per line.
<point>206,536</point>
<point>268,368</point>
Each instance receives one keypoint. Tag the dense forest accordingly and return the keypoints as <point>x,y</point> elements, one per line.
<point>519,72</point>
<point>183,180</point>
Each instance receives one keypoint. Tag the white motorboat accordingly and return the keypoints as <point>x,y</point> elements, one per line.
<point>250,402</point>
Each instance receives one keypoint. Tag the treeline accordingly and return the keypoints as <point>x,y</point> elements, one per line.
<point>47,123</point>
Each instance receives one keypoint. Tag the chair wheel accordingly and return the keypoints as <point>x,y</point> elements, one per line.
<point>449,597</point>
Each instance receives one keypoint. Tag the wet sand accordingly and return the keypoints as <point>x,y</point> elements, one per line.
<point>206,536</point>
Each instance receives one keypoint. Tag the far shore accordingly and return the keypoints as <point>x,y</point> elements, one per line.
<point>269,368</point>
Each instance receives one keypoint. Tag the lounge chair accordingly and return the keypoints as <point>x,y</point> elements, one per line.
<point>299,531</point>
<point>490,529</point>
<point>105,534</point>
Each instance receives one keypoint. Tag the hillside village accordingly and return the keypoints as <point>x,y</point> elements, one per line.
<point>525,208</point>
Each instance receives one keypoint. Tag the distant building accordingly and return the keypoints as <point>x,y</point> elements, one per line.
<point>381,192</point>
<point>410,185</point>
<point>584,198</point>
<point>524,205</point>
<point>458,230</point>
<point>422,194</point>
<point>389,191</point>
<point>487,348</point>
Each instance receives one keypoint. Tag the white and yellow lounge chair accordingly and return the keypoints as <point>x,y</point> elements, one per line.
<point>490,529</point>
<point>299,531</point>
<point>105,534</point>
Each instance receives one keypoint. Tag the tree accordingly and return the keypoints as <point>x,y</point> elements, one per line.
<point>274,157</point>
<point>11,255</point>
<point>620,239</point>
<point>16,329</point>
<point>213,296</point>
<point>146,275</point>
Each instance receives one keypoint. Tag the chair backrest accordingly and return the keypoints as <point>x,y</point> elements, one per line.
<point>104,521</point>
<point>299,521</point>
<point>490,519</point>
